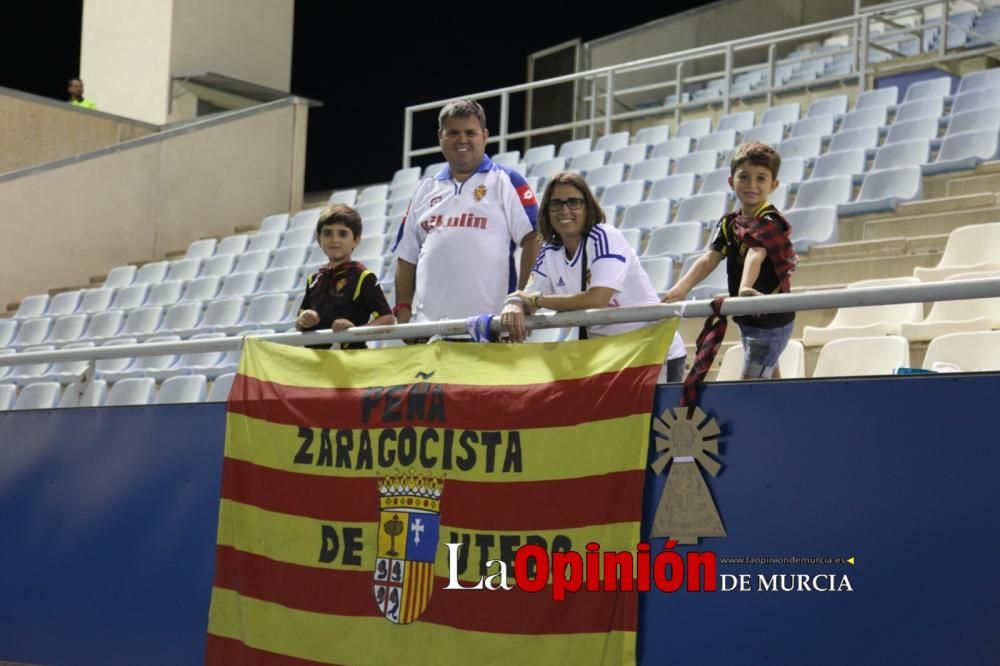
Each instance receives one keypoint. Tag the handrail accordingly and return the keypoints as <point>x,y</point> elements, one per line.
<point>948,290</point>
<point>856,28</point>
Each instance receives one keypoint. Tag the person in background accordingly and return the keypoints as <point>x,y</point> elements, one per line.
<point>75,89</point>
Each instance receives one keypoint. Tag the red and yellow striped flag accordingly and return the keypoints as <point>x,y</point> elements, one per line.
<point>346,473</point>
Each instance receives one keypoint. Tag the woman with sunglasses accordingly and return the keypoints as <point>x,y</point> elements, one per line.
<point>584,264</point>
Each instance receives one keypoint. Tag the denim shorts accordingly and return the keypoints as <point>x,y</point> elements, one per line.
<point>762,347</point>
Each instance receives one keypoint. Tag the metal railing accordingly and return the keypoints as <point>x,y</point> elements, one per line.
<point>609,95</point>
<point>949,290</point>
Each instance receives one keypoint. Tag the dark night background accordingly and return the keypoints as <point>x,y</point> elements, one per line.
<point>439,52</point>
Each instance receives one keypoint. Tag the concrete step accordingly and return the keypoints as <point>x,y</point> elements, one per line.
<point>985,179</point>
<point>872,249</point>
<point>856,227</point>
<point>929,224</point>
<point>852,270</point>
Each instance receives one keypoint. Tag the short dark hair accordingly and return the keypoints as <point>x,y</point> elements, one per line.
<point>462,108</point>
<point>595,214</point>
<point>757,154</point>
<point>340,214</point>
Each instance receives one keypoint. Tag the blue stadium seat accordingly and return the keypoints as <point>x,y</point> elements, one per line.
<point>183,389</point>
<point>865,138</point>
<point>927,107</point>
<point>201,249</point>
<point>903,153</point>
<point>673,148</point>
<point>805,146</point>
<point>913,130</point>
<point>937,87</point>
<point>142,322</point>
<point>720,141</point>
<point>676,240</point>
<point>200,289</point>
<point>828,106</point>
<point>234,245</point>
<point>630,155</point>
<point>370,194</point>
<point>660,271</point>
<point>574,148</point>
<point>651,170</point>
<point>129,297</point>
<point>694,129</point>
<point>34,306</point>
<point>624,194</point>
<point>647,215</point>
<point>604,177</point>
<point>884,190</point>
<point>539,154</point>
<point>824,192</point>
<point>39,395</point>
<point>589,161</point>
<point>785,114</point>
<point>964,150</point>
<point>612,142</point>
<point>875,116</point>
<point>132,391</point>
<point>104,325</point>
<point>739,121</point>
<point>704,208</point>
<point>698,163</point>
<point>771,134</point>
<point>715,181</point>
<point>654,135</point>
<point>812,226</point>
<point>405,175</point>
<point>346,197</point>
<point>840,163</point>
<point>879,97</point>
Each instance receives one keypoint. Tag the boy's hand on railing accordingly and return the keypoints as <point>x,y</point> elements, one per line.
<point>749,291</point>
<point>341,325</point>
<point>674,295</point>
<point>307,319</point>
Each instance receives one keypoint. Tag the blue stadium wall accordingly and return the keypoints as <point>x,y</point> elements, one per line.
<point>108,520</point>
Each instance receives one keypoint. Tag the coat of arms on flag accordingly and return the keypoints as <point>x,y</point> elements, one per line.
<point>409,519</point>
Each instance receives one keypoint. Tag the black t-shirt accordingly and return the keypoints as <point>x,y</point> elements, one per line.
<point>348,291</point>
<point>728,244</point>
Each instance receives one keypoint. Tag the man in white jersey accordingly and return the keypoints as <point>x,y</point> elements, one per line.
<point>455,247</point>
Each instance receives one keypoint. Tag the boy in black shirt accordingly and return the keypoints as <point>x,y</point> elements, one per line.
<point>759,256</point>
<point>343,294</point>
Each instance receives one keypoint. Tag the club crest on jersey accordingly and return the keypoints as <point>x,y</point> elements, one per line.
<point>479,192</point>
<point>341,283</point>
<point>409,522</point>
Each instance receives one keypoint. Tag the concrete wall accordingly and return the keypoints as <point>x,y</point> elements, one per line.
<point>63,225</point>
<point>130,50</point>
<point>125,57</point>
<point>35,130</point>
<point>244,39</point>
